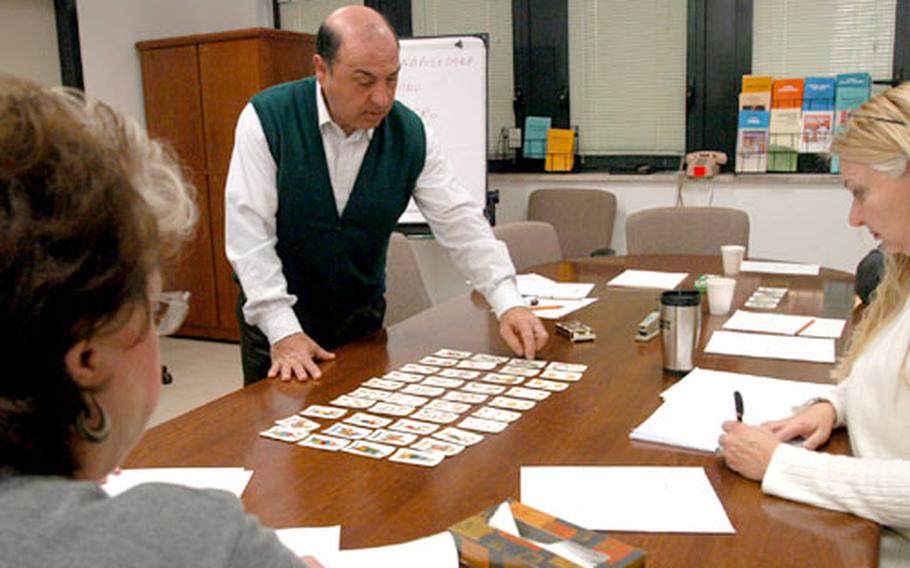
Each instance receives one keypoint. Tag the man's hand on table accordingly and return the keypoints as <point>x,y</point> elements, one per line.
<point>296,356</point>
<point>522,331</point>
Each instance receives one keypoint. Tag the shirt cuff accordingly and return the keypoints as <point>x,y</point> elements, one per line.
<point>504,296</point>
<point>280,324</point>
<point>786,462</point>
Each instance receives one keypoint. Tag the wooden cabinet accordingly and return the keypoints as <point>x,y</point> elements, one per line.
<point>195,87</point>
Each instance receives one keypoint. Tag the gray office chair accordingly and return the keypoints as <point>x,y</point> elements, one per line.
<point>686,230</point>
<point>405,293</point>
<point>529,243</point>
<point>583,219</point>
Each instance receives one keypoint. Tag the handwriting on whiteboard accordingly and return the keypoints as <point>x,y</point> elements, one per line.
<point>438,61</point>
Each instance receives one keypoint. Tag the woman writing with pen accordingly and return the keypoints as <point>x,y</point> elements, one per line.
<point>872,399</point>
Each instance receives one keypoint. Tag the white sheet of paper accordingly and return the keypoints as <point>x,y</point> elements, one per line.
<point>437,550</point>
<point>232,479</point>
<point>641,499</point>
<point>785,324</point>
<point>649,279</point>
<point>771,346</point>
<point>698,404</point>
<point>779,268</point>
<point>561,308</point>
<point>319,542</point>
<point>542,287</point>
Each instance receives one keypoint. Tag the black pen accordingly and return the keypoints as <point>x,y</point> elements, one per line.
<point>738,402</point>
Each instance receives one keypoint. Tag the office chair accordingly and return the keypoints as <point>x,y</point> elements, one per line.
<point>583,219</point>
<point>529,243</point>
<point>406,294</point>
<point>686,230</point>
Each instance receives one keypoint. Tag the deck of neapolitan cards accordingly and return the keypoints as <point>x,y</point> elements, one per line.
<point>424,412</point>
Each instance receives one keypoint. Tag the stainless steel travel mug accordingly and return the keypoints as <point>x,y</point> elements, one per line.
<point>680,329</point>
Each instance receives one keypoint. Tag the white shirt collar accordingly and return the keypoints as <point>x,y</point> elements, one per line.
<point>325,119</point>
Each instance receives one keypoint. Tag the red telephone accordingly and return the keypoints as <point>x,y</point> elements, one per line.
<point>704,164</point>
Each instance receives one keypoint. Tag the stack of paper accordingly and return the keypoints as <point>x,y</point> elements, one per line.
<point>786,324</point>
<point>231,479</point>
<point>779,268</point>
<point>816,350</point>
<point>437,550</point>
<point>649,279</point>
<point>694,408</point>
<point>554,300</point>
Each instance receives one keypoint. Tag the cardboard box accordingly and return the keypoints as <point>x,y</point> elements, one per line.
<point>482,546</point>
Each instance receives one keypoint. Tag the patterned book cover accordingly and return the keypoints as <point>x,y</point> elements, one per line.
<point>787,93</point>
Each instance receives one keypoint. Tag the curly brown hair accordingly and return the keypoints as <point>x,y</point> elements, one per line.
<point>88,204</point>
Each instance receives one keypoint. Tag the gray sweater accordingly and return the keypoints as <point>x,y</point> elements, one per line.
<point>51,521</point>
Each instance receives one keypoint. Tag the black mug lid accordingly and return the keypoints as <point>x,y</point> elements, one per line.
<point>681,298</point>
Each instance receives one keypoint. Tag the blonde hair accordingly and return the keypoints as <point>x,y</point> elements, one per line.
<point>878,135</point>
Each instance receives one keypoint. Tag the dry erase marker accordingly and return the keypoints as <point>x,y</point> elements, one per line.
<point>738,402</point>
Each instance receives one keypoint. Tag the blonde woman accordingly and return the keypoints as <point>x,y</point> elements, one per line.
<point>88,207</point>
<point>872,398</point>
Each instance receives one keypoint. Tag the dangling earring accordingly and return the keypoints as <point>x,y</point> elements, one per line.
<point>94,434</point>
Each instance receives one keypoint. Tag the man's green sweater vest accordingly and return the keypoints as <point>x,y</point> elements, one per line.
<point>330,262</point>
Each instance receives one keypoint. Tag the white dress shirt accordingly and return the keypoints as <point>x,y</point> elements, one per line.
<point>251,204</point>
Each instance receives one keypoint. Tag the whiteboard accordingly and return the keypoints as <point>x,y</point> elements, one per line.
<point>444,80</point>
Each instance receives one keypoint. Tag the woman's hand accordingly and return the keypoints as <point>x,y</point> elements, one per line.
<point>747,449</point>
<point>814,423</point>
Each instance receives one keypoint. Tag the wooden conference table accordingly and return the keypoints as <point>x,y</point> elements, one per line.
<point>382,502</point>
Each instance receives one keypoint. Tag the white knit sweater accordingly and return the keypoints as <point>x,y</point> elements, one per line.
<point>874,404</point>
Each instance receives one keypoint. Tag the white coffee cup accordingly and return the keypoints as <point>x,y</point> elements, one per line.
<point>733,258</point>
<point>720,295</point>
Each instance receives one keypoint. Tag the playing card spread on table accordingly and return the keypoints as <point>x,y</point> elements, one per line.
<point>407,399</point>
<point>437,381</point>
<point>447,406</point>
<point>285,433</point>
<point>319,411</point>
<point>367,420</point>
<point>394,438</point>
<point>482,424</point>
<point>468,397</point>
<point>383,384</point>
<point>413,427</point>
<point>422,369</point>
<point>432,445</point>
<point>481,365</point>
<point>498,359</point>
<point>528,363</point>
<point>497,414</point>
<point>517,370</point>
<point>347,431</point>
<point>370,394</point>
<point>439,361</point>
<point>456,436</point>
<point>512,403</point>
<point>482,388</point>
<point>391,409</point>
<point>368,449</point>
<point>567,367</point>
<point>403,377</point>
<point>452,354</point>
<point>321,442</point>
<point>417,457</point>
<point>544,384</point>
<point>298,422</point>
<point>501,379</point>
<point>423,390</point>
<point>437,416</point>
<point>522,392</point>
<point>458,374</point>
<point>560,375</point>
<point>353,402</point>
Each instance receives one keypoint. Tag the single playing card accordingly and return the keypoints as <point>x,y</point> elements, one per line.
<point>422,369</point>
<point>567,367</point>
<point>447,406</point>
<point>560,375</point>
<point>432,445</point>
<point>347,431</point>
<point>392,409</point>
<point>321,442</point>
<point>772,291</point>
<point>503,379</point>
<point>456,436</point>
<point>403,377</point>
<point>458,374</point>
<point>319,411</point>
<point>370,394</point>
<point>528,363</point>
<point>383,384</point>
<point>417,457</point>
<point>368,449</point>
<point>423,390</point>
<point>468,397</point>
<point>367,420</point>
<point>554,386</point>
<point>413,427</point>
<point>482,365</point>
<point>438,361</point>
<point>497,414</point>
<point>437,381</point>
<point>498,359</point>
<point>407,399</point>
<point>482,425</point>
<point>394,438</point>
<point>761,304</point>
<point>353,402</point>
<point>512,403</point>
<point>452,353</point>
<point>522,392</point>
<point>516,370</point>
<point>482,388</point>
<point>437,416</point>
<point>298,422</point>
<point>285,433</point>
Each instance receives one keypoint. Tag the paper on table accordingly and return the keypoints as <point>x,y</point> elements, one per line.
<point>543,287</point>
<point>785,324</point>
<point>232,479</point>
<point>771,346</point>
<point>779,268</point>
<point>437,550</point>
<point>560,308</point>
<point>320,542</point>
<point>642,499</point>
<point>649,279</point>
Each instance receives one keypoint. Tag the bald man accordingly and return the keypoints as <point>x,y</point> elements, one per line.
<point>322,169</point>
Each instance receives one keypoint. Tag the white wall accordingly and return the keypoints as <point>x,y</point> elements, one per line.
<point>28,40</point>
<point>108,32</point>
